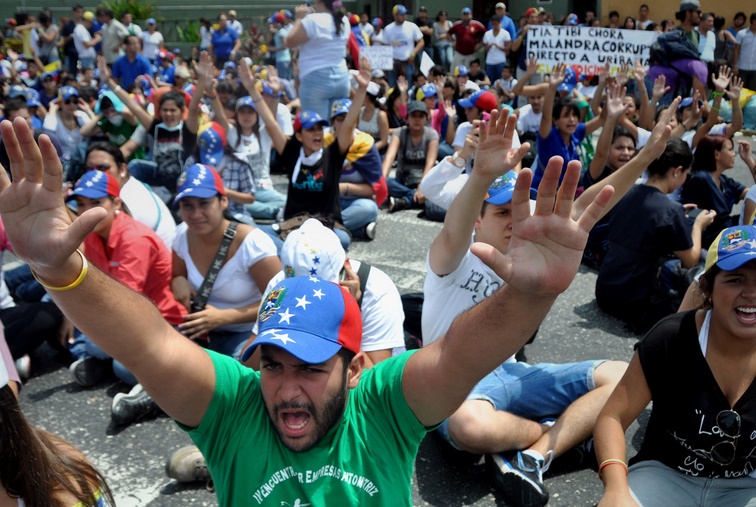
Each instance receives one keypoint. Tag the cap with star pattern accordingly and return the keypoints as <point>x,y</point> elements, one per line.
<point>313,250</point>
<point>211,143</point>
<point>310,318</point>
<point>200,181</point>
<point>95,185</point>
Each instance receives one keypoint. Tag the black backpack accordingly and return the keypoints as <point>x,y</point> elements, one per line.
<point>672,46</point>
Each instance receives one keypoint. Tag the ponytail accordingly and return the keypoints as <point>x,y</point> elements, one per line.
<point>338,12</point>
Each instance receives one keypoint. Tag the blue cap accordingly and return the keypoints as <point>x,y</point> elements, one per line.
<point>288,14</point>
<point>572,20</point>
<point>229,65</point>
<point>151,21</point>
<point>466,10</point>
<point>310,318</point>
<point>426,91</point>
<point>461,70</point>
<point>117,104</point>
<point>68,91</point>
<point>16,91</point>
<point>200,181</point>
<point>49,74</point>
<point>307,120</point>
<point>32,98</point>
<point>211,142</point>
<point>687,102</point>
<point>340,106</point>
<point>501,190</point>
<point>95,185</point>
<point>245,101</point>
<point>570,80</point>
<point>735,246</point>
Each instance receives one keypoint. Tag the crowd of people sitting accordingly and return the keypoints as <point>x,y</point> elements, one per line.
<point>175,155</point>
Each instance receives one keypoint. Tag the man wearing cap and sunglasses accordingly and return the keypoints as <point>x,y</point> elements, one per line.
<point>330,433</point>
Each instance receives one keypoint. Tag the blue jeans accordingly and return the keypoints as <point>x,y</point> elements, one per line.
<point>320,88</point>
<point>147,171</point>
<point>533,391</point>
<point>83,347</point>
<point>409,71</point>
<point>23,285</point>
<point>267,203</point>
<point>284,69</point>
<point>494,71</point>
<point>397,190</point>
<point>87,63</point>
<point>357,213</point>
<point>444,55</point>
<point>228,343</point>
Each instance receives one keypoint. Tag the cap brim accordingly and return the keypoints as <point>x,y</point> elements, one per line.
<point>506,197</point>
<point>310,124</point>
<point>304,346</point>
<point>87,192</point>
<point>466,103</point>
<point>736,260</point>
<point>565,87</point>
<point>202,193</point>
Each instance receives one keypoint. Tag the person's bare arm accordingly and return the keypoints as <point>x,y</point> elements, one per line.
<point>383,129</point>
<point>542,259</point>
<point>178,374</point>
<point>629,399</point>
<point>296,36</point>
<point>720,85</point>
<point>346,132</point>
<point>557,77</point>
<point>142,115</point>
<point>736,85</point>
<point>492,159</point>
<point>614,110</point>
<point>266,115</point>
<point>91,128</point>
<point>391,152</point>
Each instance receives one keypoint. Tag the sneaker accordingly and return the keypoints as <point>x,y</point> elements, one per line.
<point>398,204</point>
<point>370,230</point>
<point>88,371</point>
<point>188,465</point>
<point>23,366</point>
<point>133,407</point>
<point>584,454</point>
<point>520,478</point>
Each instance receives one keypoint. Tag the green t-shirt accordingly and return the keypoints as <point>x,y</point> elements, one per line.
<point>120,134</point>
<point>366,459</point>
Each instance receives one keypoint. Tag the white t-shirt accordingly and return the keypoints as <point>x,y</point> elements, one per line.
<point>751,195</point>
<point>80,36</point>
<point>149,209</point>
<point>706,45</point>
<point>495,55</point>
<point>367,28</point>
<point>746,39</point>
<point>448,296</point>
<point>151,44</point>
<point>68,139</point>
<point>402,38</point>
<point>323,48</point>
<point>527,120</point>
<point>234,287</point>
<point>377,38</point>
<point>382,313</point>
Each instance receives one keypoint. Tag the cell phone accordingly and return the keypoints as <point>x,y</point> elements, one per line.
<point>693,213</point>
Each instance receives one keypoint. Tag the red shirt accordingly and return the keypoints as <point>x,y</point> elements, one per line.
<point>467,36</point>
<point>137,257</point>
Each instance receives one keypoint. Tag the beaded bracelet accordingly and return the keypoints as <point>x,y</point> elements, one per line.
<point>75,283</point>
<point>608,462</point>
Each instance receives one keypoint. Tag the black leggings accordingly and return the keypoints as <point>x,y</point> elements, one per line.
<point>27,326</point>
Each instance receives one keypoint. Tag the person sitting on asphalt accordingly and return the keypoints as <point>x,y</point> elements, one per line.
<point>493,421</point>
<point>414,147</point>
<point>131,253</point>
<point>698,369</point>
<point>315,250</point>
<point>312,406</point>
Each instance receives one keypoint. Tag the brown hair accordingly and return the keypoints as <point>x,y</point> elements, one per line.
<point>38,466</point>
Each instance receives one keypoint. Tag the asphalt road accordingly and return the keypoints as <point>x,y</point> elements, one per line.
<point>133,458</point>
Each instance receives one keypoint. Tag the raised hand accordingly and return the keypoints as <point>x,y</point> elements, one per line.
<point>363,78</point>
<point>532,66</point>
<point>546,248</point>
<point>605,73</point>
<point>402,83</point>
<point>660,88</point>
<point>34,215</point>
<point>245,74</point>
<point>557,76</point>
<point>471,144</point>
<point>640,71</point>
<point>744,150</point>
<point>736,85</point>
<point>614,95</point>
<point>495,156</point>
<point>205,71</point>
<point>451,111</point>
<point>104,70</point>
<point>722,79</point>
<point>657,141</point>
<point>621,76</point>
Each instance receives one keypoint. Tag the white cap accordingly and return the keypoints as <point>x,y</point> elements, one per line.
<point>313,250</point>
<point>472,85</point>
<point>373,88</point>
<point>501,5</point>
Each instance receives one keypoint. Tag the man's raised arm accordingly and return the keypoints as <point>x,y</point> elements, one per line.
<point>543,257</point>
<point>127,326</point>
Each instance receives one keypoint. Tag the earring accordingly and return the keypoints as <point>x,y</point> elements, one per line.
<point>123,175</point>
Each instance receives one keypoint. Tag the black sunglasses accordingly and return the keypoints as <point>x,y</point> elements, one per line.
<point>728,422</point>
<point>71,101</point>
<point>97,167</point>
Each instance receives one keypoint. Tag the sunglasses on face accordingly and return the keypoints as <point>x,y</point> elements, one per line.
<point>97,167</point>
<point>728,422</point>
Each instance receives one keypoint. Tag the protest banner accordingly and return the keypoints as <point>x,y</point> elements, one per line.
<point>588,49</point>
<point>380,57</point>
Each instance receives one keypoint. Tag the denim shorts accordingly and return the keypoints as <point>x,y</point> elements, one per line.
<point>533,391</point>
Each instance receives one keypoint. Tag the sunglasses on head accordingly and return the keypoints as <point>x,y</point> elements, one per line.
<point>728,422</point>
<point>97,167</point>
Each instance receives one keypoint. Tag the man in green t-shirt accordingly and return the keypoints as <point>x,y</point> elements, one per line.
<point>311,426</point>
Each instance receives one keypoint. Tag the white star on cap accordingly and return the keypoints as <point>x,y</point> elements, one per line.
<point>285,316</point>
<point>196,181</point>
<point>318,294</point>
<point>284,338</point>
<point>314,279</point>
<point>302,302</point>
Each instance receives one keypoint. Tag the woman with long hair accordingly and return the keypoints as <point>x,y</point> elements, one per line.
<point>710,188</point>
<point>698,369</point>
<point>40,469</point>
<point>442,43</point>
<point>64,120</point>
<point>373,118</point>
<point>322,41</point>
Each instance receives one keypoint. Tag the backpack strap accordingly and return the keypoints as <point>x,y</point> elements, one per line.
<point>363,273</point>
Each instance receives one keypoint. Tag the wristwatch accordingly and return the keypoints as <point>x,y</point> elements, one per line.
<point>458,161</point>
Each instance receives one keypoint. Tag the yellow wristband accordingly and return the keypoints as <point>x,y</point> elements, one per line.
<point>75,283</point>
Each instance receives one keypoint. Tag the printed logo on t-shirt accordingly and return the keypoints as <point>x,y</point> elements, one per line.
<point>480,286</point>
<point>309,179</point>
<point>311,476</point>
